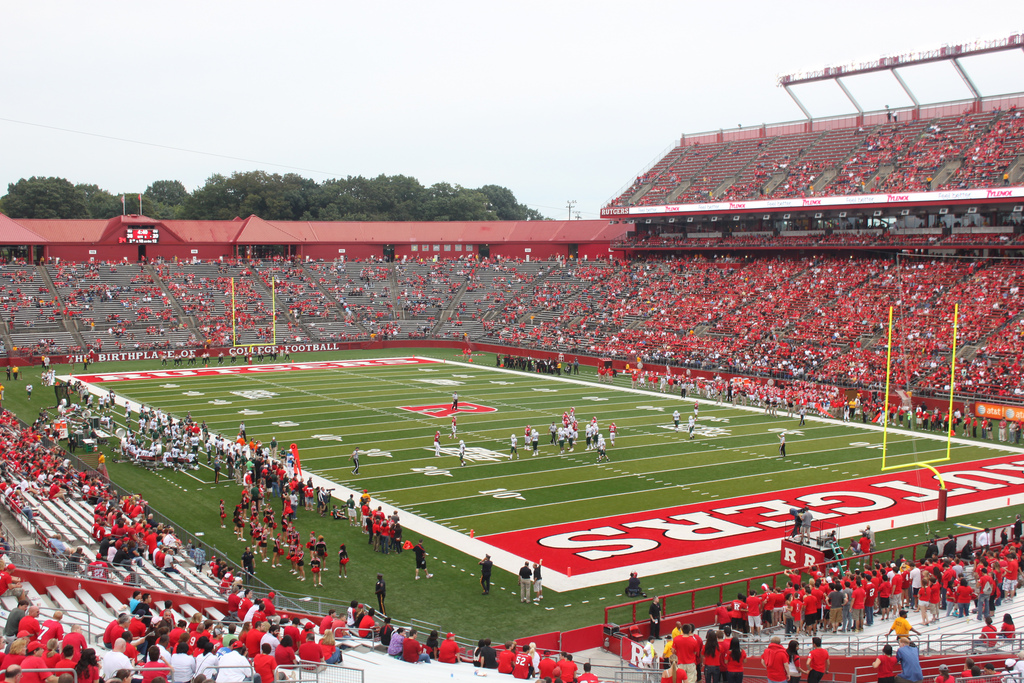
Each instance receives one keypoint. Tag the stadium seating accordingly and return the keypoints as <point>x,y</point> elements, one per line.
<point>903,156</point>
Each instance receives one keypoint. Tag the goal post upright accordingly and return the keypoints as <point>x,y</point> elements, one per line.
<point>234,337</point>
<point>952,382</point>
<point>885,409</point>
<point>941,505</point>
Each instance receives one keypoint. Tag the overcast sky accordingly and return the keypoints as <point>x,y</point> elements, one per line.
<point>555,100</point>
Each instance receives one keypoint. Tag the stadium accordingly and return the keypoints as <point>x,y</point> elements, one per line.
<point>793,351</point>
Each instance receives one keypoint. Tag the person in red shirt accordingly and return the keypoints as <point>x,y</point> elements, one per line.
<point>568,668</point>
<point>448,652</point>
<point>1007,629</point>
<point>265,664</point>
<point>817,662</point>
<point>153,666</point>
<point>30,624</point>
<point>34,660</point>
<point>310,650</point>
<point>367,625</point>
<point>521,664</point>
<point>795,617</point>
<point>884,601</point>
<point>732,661</point>
<point>988,634</point>
<point>76,639</point>
<point>811,606</point>
<point>885,664</point>
<point>857,608</point>
<point>547,666</point>
<point>722,615</point>
<point>284,654</point>
<point>687,648</point>
<point>252,640</point>
<point>506,658</point>
<point>753,614</point>
<point>412,650</point>
<point>114,630</point>
<point>586,676</point>
<point>776,661</point>
<point>964,595</point>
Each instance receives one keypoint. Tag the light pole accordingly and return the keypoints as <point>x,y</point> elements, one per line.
<point>569,205</point>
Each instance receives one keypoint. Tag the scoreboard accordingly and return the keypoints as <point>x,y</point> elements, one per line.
<point>142,235</point>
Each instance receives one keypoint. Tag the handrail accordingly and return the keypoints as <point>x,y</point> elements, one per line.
<point>870,558</point>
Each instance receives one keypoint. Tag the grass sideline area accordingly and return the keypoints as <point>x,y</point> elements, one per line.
<point>359,407</point>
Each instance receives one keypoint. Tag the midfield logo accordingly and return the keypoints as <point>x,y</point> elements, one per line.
<point>445,409</point>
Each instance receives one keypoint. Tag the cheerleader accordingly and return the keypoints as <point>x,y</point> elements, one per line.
<point>342,562</point>
<point>314,567</point>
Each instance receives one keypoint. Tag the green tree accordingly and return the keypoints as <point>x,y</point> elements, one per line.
<point>167,192</point>
<point>446,202</point>
<point>44,198</point>
<point>505,206</point>
<point>99,202</point>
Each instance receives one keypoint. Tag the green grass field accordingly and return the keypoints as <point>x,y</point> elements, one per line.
<point>328,413</point>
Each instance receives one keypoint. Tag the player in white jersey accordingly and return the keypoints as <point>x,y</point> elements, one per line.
<point>535,438</point>
<point>692,424</point>
<point>611,433</point>
<point>588,434</point>
<point>462,453</point>
<point>437,444</point>
<point>513,450</point>
<point>675,419</point>
<point>602,454</point>
<point>561,439</point>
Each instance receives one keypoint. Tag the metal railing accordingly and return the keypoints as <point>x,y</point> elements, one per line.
<point>323,673</point>
<point>707,597</point>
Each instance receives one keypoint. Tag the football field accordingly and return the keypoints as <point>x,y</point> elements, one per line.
<point>578,515</point>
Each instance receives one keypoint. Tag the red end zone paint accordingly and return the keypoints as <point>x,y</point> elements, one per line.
<point>445,409</point>
<point>214,371</point>
<point>711,531</point>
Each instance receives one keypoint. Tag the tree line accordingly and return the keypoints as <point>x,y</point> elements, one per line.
<point>271,196</point>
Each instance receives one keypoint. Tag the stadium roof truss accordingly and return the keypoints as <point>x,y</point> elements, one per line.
<point>952,54</point>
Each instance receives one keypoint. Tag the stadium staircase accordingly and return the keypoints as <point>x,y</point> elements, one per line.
<point>451,309</point>
<point>67,322</point>
<point>189,321</point>
<point>314,279</point>
<point>693,175</point>
<point>658,170</point>
<point>4,335</point>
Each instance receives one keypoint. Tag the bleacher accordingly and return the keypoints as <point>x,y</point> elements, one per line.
<point>986,143</point>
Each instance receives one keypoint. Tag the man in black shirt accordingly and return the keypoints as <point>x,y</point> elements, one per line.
<point>381,590</point>
<point>485,574</point>
<point>525,582</point>
<point>248,561</point>
<point>655,614</point>
<point>949,550</point>
<point>421,559</point>
<point>488,655</point>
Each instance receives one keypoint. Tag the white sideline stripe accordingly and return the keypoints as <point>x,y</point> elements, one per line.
<point>560,582</point>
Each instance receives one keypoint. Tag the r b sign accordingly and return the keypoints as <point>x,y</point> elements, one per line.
<point>797,556</point>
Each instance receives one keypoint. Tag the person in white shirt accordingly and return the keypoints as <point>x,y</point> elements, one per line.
<point>271,637</point>
<point>183,665</point>
<point>513,450</point>
<point>234,667</point>
<point>116,659</point>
